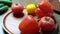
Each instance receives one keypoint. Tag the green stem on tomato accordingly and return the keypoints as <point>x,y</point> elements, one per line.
<point>47,19</point>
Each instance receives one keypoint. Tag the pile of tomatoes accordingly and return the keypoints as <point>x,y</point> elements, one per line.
<point>29,24</point>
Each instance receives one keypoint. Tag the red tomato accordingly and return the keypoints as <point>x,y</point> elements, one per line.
<point>29,25</point>
<point>46,7</point>
<point>39,13</point>
<point>47,24</point>
<point>17,8</point>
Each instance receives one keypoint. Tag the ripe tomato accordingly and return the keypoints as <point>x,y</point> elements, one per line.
<point>39,13</point>
<point>17,8</point>
<point>46,7</point>
<point>29,25</point>
<point>47,24</point>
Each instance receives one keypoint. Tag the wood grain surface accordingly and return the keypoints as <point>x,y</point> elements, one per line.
<point>56,4</point>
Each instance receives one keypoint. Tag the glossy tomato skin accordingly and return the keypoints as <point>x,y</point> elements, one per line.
<point>39,13</point>
<point>47,24</point>
<point>17,8</point>
<point>46,7</point>
<point>29,25</point>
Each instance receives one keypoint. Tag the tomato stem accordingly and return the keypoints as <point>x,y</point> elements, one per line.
<point>16,4</point>
<point>47,19</point>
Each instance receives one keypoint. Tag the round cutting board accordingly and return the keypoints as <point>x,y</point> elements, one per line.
<point>11,23</point>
